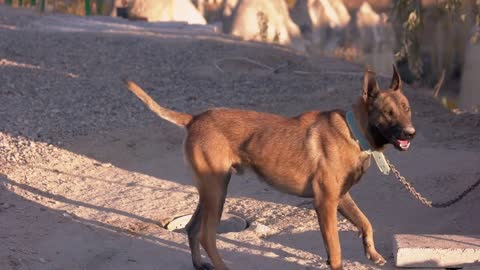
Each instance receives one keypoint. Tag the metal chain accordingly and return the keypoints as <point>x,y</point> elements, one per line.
<point>424,200</point>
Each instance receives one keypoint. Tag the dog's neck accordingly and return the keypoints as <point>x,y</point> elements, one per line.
<point>369,131</point>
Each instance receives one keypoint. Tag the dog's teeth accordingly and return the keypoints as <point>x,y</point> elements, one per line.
<point>403,143</point>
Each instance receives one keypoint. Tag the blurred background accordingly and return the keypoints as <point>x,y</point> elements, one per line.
<point>435,43</point>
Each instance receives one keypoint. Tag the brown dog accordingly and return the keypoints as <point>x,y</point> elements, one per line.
<point>311,155</point>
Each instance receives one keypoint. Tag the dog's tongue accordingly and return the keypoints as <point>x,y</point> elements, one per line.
<point>403,143</point>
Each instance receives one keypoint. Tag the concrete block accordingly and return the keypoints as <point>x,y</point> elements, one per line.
<point>430,250</point>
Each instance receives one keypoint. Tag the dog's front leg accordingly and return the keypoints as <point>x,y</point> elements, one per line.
<point>349,209</point>
<point>326,205</point>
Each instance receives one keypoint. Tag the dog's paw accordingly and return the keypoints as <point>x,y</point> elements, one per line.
<point>376,258</point>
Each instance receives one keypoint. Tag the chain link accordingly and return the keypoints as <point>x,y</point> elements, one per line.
<point>424,200</point>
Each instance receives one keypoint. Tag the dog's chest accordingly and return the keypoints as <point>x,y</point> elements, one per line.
<point>361,166</point>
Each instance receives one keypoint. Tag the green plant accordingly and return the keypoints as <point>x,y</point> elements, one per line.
<point>409,16</point>
<point>88,10</point>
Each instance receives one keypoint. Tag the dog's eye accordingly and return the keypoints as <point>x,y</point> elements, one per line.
<point>389,112</point>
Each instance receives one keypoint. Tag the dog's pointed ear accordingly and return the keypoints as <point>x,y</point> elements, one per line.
<point>396,83</point>
<point>370,86</point>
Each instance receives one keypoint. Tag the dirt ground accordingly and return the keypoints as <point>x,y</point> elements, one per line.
<point>89,176</point>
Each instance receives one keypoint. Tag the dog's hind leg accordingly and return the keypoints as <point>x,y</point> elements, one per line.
<point>214,201</point>
<point>350,211</point>
<point>193,231</point>
<point>212,175</point>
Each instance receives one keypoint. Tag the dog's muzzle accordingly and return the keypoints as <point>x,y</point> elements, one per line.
<point>402,141</point>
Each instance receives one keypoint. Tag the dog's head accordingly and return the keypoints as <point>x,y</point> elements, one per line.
<point>389,114</point>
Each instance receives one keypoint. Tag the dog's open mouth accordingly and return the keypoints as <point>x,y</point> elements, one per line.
<point>402,144</point>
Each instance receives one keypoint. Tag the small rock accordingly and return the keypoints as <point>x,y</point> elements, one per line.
<point>7,205</point>
<point>262,230</point>
<point>42,260</point>
<point>271,255</point>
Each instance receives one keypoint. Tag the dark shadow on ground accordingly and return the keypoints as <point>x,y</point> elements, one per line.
<point>37,237</point>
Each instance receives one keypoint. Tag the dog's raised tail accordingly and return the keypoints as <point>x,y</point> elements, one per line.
<point>178,118</point>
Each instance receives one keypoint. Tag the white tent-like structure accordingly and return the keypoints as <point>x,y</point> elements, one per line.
<point>264,20</point>
<point>166,10</point>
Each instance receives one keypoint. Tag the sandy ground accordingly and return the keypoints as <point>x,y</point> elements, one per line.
<point>89,176</point>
